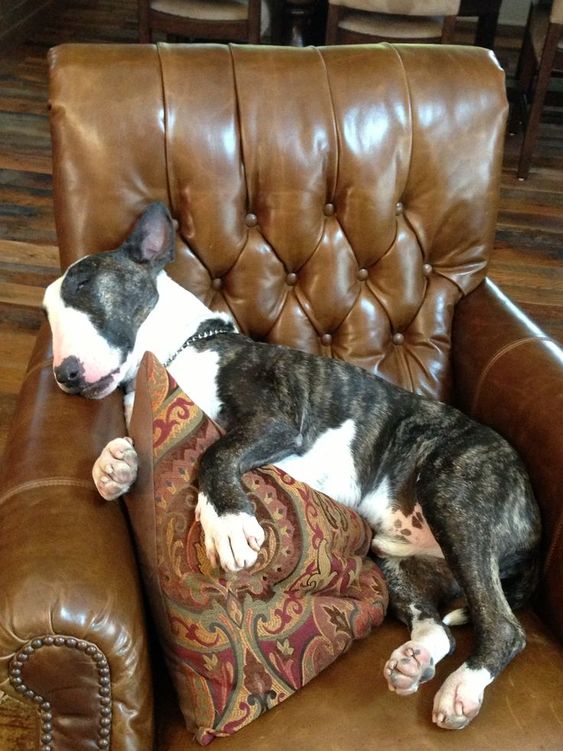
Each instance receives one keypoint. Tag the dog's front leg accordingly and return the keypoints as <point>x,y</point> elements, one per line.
<point>115,470</point>
<point>233,536</point>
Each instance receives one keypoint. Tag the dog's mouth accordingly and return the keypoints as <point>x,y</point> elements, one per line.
<point>100,388</point>
<point>96,390</point>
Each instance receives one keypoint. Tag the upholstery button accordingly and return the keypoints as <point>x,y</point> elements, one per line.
<point>217,283</point>
<point>399,208</point>
<point>427,268</point>
<point>326,339</point>
<point>329,209</point>
<point>251,220</point>
<point>362,275</point>
<point>291,279</point>
<point>398,338</point>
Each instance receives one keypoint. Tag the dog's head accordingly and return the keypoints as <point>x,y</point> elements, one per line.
<point>97,307</point>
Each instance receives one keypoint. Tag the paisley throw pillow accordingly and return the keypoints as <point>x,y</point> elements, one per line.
<point>238,644</point>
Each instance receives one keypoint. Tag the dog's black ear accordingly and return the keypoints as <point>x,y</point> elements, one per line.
<point>152,239</point>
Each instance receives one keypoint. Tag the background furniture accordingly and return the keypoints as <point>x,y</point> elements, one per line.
<point>541,55</point>
<point>352,220</point>
<point>360,21</point>
<point>225,20</point>
<point>487,12</point>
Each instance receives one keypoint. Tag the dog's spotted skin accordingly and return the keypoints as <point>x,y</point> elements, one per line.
<point>448,499</point>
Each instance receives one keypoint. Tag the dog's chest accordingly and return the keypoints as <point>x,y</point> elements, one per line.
<point>196,374</point>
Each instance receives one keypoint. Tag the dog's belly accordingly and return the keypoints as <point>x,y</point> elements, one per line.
<point>398,532</point>
<point>328,466</point>
<point>402,535</point>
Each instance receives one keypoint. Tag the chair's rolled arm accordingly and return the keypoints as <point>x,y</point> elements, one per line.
<point>72,630</point>
<point>509,375</point>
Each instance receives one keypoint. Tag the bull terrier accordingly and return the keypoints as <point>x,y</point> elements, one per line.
<point>449,502</point>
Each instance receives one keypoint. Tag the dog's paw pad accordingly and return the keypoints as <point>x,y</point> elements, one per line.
<point>460,698</point>
<point>408,667</point>
<point>115,470</point>
<point>232,540</point>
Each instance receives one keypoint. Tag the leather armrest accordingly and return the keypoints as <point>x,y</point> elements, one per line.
<point>509,375</point>
<point>72,631</point>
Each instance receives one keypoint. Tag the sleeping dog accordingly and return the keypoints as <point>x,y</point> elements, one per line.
<point>448,500</point>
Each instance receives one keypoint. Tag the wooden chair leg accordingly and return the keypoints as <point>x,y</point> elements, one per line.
<point>448,29</point>
<point>332,22</point>
<point>542,83</point>
<point>526,65</point>
<point>254,18</point>
<point>486,30</point>
<point>525,71</point>
<point>145,36</point>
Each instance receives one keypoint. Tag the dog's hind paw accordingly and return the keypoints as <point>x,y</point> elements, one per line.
<point>408,667</point>
<point>459,699</point>
<point>115,470</point>
<point>232,540</point>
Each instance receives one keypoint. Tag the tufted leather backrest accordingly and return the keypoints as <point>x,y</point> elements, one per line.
<point>340,200</point>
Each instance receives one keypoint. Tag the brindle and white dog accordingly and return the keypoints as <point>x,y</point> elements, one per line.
<point>449,501</point>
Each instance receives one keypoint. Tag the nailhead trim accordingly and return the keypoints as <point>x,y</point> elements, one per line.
<point>18,662</point>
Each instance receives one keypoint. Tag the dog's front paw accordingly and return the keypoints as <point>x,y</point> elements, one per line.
<point>460,697</point>
<point>115,470</point>
<point>408,667</point>
<point>232,540</point>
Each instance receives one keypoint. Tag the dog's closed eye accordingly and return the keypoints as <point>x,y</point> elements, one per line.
<point>82,283</point>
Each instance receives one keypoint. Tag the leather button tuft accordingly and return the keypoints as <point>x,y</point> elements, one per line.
<point>251,220</point>
<point>329,209</point>
<point>398,338</point>
<point>217,283</point>
<point>326,339</point>
<point>399,208</point>
<point>291,279</point>
<point>427,268</point>
<point>362,275</point>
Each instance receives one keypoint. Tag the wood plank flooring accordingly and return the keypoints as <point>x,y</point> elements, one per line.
<point>528,256</point>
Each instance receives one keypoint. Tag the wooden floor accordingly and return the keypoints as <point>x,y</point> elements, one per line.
<point>527,261</point>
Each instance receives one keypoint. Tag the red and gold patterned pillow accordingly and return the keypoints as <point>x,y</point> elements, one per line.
<point>238,644</point>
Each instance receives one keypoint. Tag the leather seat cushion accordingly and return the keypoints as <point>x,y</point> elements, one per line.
<point>349,706</point>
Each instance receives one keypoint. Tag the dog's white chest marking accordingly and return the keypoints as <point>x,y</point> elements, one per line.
<point>329,465</point>
<point>196,373</point>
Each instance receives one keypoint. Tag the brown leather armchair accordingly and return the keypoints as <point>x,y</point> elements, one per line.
<point>340,200</point>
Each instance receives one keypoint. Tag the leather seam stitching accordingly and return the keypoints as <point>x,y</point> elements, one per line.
<point>165,126</point>
<point>45,482</point>
<point>496,357</point>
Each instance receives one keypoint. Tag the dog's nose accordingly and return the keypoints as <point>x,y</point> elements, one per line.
<point>70,372</point>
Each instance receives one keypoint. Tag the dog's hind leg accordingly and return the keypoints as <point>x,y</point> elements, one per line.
<point>499,638</point>
<point>480,508</point>
<point>233,536</point>
<point>417,586</point>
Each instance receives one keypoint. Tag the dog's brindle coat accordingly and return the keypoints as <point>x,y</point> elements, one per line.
<point>449,501</point>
